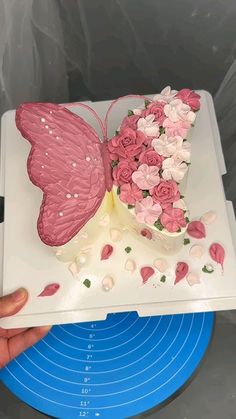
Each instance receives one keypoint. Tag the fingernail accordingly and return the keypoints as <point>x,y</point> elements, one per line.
<point>45,328</point>
<point>19,295</point>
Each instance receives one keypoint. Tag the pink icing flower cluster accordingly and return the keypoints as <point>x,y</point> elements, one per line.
<point>150,157</point>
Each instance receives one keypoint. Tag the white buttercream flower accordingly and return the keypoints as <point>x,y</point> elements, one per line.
<point>149,126</point>
<point>176,111</point>
<point>137,111</point>
<point>182,155</point>
<point>173,170</point>
<point>180,204</point>
<point>166,95</point>
<point>172,146</point>
<point>167,146</point>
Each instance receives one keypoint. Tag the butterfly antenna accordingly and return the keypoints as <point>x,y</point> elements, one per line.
<point>114,102</point>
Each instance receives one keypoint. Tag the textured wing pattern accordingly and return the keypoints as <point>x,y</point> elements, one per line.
<point>66,163</point>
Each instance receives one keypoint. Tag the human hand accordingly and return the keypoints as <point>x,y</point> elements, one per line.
<point>15,341</point>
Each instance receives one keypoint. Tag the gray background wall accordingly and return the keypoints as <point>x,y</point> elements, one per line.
<point>72,49</point>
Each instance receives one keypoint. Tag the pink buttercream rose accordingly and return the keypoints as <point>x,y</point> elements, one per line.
<point>147,211</point>
<point>151,158</point>
<point>130,193</point>
<point>148,141</point>
<point>130,122</point>
<point>173,219</point>
<point>189,98</point>
<point>146,177</point>
<point>157,109</point>
<point>127,144</point>
<point>123,171</point>
<point>173,129</point>
<point>146,233</point>
<point>165,193</point>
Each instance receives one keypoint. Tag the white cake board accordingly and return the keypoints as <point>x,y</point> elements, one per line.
<point>29,263</point>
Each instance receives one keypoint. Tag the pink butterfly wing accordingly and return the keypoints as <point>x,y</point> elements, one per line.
<point>66,163</point>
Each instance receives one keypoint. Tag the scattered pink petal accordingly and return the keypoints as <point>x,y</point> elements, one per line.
<point>209,217</point>
<point>181,271</point>
<point>217,253</point>
<point>193,279</point>
<point>106,251</point>
<point>73,269</point>
<point>146,273</point>
<point>161,265</point>
<point>130,265</point>
<point>196,251</point>
<point>49,290</point>
<point>196,229</point>
<point>146,233</point>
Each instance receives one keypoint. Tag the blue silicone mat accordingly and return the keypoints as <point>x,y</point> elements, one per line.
<point>116,368</point>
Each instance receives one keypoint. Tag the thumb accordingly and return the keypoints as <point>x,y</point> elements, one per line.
<point>12,303</point>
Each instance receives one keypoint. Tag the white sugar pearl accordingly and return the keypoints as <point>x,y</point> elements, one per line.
<point>74,164</point>
<point>82,259</point>
<point>50,132</point>
<point>68,195</point>
<point>61,214</point>
<point>57,138</point>
<point>88,158</point>
<point>46,154</point>
<point>46,126</point>
<point>43,120</point>
<point>50,112</point>
<point>42,167</point>
<point>76,195</point>
<point>209,267</point>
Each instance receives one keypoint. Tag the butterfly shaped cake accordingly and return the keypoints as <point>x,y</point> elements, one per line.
<point>137,177</point>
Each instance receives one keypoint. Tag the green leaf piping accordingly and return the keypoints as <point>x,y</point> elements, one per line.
<point>87,283</point>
